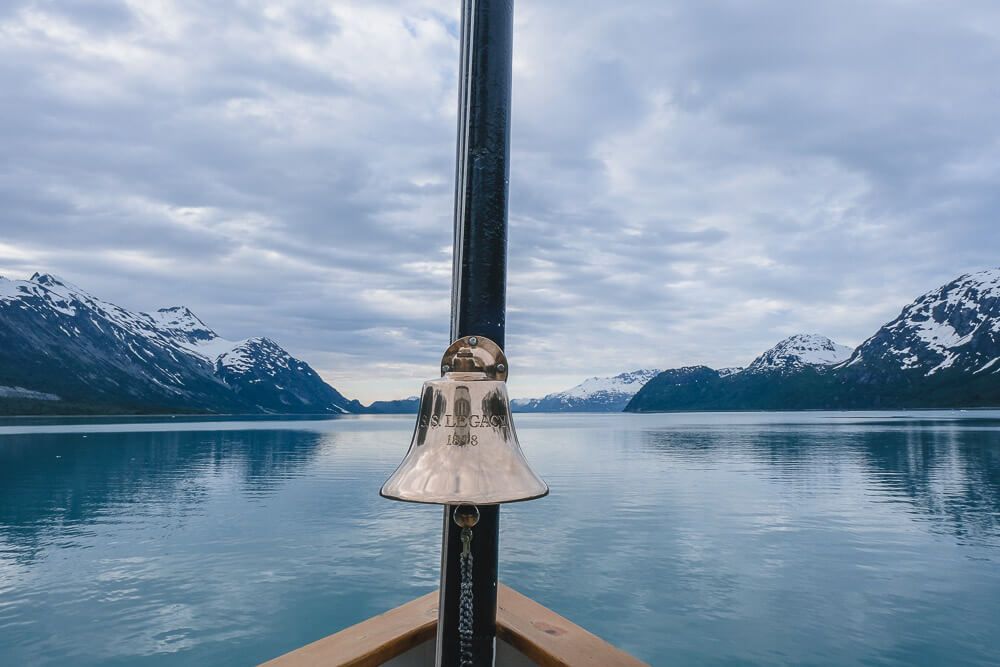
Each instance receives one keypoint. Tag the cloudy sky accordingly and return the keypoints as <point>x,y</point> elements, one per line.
<point>691,181</point>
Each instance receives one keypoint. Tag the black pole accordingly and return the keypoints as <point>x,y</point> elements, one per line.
<point>479,284</point>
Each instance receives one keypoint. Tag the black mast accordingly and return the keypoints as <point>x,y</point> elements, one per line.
<point>479,283</point>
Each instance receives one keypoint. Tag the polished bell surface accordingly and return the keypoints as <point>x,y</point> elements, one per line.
<point>464,448</point>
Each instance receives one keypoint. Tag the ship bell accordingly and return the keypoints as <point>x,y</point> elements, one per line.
<point>464,449</point>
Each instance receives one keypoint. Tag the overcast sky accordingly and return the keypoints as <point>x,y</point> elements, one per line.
<point>690,182</point>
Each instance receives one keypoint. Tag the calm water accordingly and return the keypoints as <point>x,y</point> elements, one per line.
<point>707,539</point>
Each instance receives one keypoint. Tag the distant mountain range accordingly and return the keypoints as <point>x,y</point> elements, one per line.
<point>63,350</point>
<point>942,351</point>
<point>596,394</point>
<point>400,406</point>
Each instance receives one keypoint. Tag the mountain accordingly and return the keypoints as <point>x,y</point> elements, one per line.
<point>797,352</point>
<point>63,350</point>
<point>402,406</point>
<point>260,372</point>
<point>783,377</point>
<point>596,394</point>
<point>943,350</point>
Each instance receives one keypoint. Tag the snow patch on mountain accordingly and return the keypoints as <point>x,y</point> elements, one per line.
<point>179,321</point>
<point>213,348</point>
<point>188,331</point>
<point>21,392</point>
<point>988,365</point>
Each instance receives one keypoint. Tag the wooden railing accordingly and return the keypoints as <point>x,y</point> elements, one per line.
<point>537,632</point>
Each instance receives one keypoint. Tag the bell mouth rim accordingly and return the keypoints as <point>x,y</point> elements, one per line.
<point>464,501</point>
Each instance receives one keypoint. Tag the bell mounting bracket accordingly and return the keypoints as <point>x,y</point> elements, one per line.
<point>475,354</point>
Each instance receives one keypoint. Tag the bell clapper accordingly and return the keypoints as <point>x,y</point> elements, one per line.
<point>465,517</point>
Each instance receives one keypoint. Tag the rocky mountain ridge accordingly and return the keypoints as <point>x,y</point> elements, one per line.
<point>88,355</point>
<point>943,350</point>
<point>955,327</point>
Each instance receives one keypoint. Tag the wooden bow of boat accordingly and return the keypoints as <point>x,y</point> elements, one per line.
<point>527,634</point>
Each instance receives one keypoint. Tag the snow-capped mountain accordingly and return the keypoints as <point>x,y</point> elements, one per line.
<point>262,373</point>
<point>955,327</point>
<point>596,394</point>
<point>943,350</point>
<point>86,354</point>
<point>773,379</point>
<point>798,351</point>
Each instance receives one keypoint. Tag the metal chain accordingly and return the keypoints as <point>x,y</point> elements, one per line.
<point>465,601</point>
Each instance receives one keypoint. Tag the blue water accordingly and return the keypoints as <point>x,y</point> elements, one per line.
<point>688,539</point>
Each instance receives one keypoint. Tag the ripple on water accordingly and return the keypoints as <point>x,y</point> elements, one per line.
<point>694,539</point>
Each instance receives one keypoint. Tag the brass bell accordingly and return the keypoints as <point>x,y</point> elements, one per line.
<point>464,448</point>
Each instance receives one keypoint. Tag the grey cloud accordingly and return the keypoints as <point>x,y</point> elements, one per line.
<point>690,181</point>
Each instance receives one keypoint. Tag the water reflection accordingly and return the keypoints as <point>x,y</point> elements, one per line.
<point>50,481</point>
<point>686,539</point>
<point>950,472</point>
<point>768,540</point>
<point>197,546</point>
